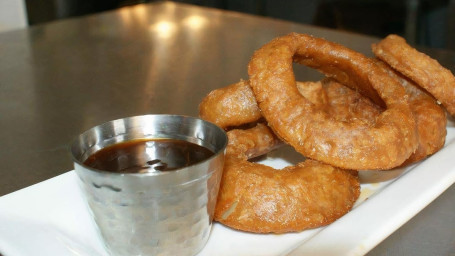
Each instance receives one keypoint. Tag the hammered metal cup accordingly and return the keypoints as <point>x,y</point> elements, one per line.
<point>164,213</point>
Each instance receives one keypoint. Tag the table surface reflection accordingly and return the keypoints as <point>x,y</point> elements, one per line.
<point>61,78</point>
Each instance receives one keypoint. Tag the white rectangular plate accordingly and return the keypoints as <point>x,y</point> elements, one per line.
<point>51,217</point>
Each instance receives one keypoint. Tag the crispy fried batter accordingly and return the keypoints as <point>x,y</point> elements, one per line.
<point>419,67</point>
<point>347,105</point>
<point>355,145</point>
<point>257,198</point>
<point>232,105</point>
<point>327,95</point>
<point>430,117</point>
<point>326,121</point>
<point>344,104</point>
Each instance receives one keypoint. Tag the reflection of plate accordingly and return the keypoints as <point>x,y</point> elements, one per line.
<point>51,218</point>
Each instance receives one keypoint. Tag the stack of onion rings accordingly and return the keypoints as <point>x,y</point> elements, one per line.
<point>340,103</point>
<point>355,145</point>
<point>381,121</point>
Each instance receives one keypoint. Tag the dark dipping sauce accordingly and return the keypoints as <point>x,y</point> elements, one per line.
<point>148,155</point>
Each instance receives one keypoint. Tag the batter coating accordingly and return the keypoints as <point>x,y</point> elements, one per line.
<point>226,108</point>
<point>233,105</point>
<point>430,118</point>
<point>419,67</point>
<point>257,198</point>
<point>385,144</point>
<point>343,104</point>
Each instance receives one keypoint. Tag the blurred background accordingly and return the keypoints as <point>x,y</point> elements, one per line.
<point>428,23</point>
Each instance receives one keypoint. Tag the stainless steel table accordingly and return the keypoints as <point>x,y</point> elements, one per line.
<point>61,78</point>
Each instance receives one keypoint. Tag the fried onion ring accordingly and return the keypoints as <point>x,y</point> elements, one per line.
<point>419,67</point>
<point>260,199</point>
<point>385,144</point>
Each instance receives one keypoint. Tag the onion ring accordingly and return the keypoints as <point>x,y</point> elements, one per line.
<point>257,198</point>
<point>355,145</point>
<point>419,67</point>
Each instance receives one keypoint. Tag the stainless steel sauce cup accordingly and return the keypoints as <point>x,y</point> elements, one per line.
<point>157,213</point>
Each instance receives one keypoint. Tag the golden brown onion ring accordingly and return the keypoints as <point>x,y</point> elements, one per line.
<point>235,105</point>
<point>355,145</point>
<point>260,199</point>
<point>419,67</point>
